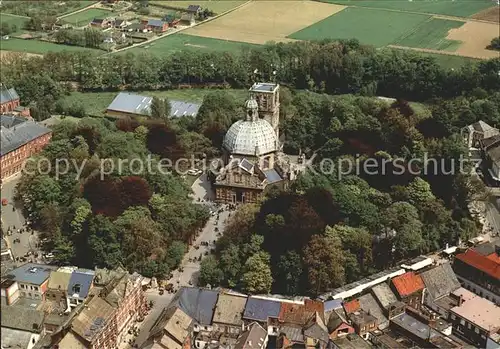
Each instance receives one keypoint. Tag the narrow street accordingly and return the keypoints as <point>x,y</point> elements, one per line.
<point>190,265</point>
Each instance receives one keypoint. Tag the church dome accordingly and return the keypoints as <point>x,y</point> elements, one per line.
<point>251,137</point>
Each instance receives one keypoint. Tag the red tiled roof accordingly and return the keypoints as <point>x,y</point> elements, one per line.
<point>408,283</point>
<point>300,313</point>
<point>486,264</point>
<point>494,257</point>
<point>352,306</point>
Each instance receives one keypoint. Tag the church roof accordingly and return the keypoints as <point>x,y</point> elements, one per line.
<point>250,137</point>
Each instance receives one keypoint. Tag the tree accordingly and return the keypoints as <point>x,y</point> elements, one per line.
<point>257,277</point>
<point>175,253</point>
<point>210,273</point>
<point>93,37</point>
<point>230,264</point>
<point>495,44</point>
<point>158,110</point>
<point>419,192</point>
<point>289,273</point>
<point>324,260</point>
<point>82,210</point>
<point>403,218</point>
<point>5,29</point>
<point>64,251</point>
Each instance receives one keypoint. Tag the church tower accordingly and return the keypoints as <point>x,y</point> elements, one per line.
<point>267,96</point>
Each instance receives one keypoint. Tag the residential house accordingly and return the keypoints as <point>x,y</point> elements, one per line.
<point>80,283</point>
<point>32,278</point>
<point>188,19</point>
<point>173,329</point>
<point>335,319</point>
<point>337,326</point>
<point>106,318</point>
<point>421,333</point>
<point>474,320</point>
<point>21,327</point>
<point>478,270</point>
<point>254,337</point>
<point>228,314</point>
<point>439,282</point>
<point>10,291</point>
<point>121,24</point>
<point>315,332</point>
<point>101,22</point>
<point>409,287</point>
<point>129,105</point>
<point>171,20</point>
<point>155,25</point>
<point>387,300</point>
<point>473,134</point>
<point>351,341</point>
<point>265,312</point>
<point>57,290</point>
<point>195,9</point>
<point>126,295</point>
<point>369,305</point>
<point>20,139</point>
<point>9,99</point>
<point>363,323</point>
<point>351,306</point>
<point>93,328</point>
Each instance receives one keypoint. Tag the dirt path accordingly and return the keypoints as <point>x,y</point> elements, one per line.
<point>19,16</point>
<point>434,15</point>
<point>471,55</point>
<point>80,10</point>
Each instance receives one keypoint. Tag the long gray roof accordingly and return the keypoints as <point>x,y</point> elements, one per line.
<point>31,273</point>
<point>21,318</point>
<point>7,95</point>
<point>137,104</point>
<point>196,302</point>
<point>440,281</point>
<point>18,133</point>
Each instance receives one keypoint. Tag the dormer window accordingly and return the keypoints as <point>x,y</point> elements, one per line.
<point>76,288</point>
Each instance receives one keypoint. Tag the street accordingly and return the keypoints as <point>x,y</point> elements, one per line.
<point>190,265</point>
<point>14,220</point>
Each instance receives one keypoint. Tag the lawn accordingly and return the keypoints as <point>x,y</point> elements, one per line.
<point>432,35</point>
<point>218,6</point>
<point>85,17</point>
<point>459,8</point>
<point>178,42</point>
<point>370,26</point>
<point>11,20</point>
<point>44,8</point>
<point>450,61</point>
<point>39,47</point>
<point>97,102</point>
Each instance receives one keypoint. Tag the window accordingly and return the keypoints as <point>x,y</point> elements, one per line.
<point>476,330</point>
<point>462,322</point>
<point>453,317</point>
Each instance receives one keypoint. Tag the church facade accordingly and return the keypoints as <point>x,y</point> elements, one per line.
<point>252,155</point>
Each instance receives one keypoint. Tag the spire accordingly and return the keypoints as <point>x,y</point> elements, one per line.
<point>252,109</point>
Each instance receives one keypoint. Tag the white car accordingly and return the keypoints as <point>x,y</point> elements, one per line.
<point>49,255</point>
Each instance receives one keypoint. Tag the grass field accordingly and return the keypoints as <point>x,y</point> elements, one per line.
<point>44,8</point>
<point>10,20</point>
<point>177,42</point>
<point>39,47</point>
<point>459,8</point>
<point>432,35</point>
<point>83,18</point>
<point>97,102</point>
<point>369,26</point>
<point>450,61</point>
<point>219,6</point>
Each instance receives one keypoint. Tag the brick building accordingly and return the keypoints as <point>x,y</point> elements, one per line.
<point>20,139</point>
<point>9,99</point>
<point>409,288</point>
<point>107,317</point>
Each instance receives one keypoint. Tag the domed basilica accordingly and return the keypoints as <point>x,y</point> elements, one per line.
<point>253,160</point>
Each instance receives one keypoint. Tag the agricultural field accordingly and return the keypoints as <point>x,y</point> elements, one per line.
<point>40,47</point>
<point>97,102</point>
<point>475,36</point>
<point>43,7</point>
<point>259,22</point>
<point>13,20</point>
<point>85,17</point>
<point>458,8</point>
<point>217,6</point>
<point>178,42</point>
<point>449,61</point>
<point>372,26</point>
<point>432,35</point>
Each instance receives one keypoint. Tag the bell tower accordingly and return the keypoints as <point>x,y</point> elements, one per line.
<point>267,96</point>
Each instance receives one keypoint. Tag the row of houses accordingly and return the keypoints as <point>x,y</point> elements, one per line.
<point>70,307</point>
<point>425,306</point>
<point>145,25</point>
